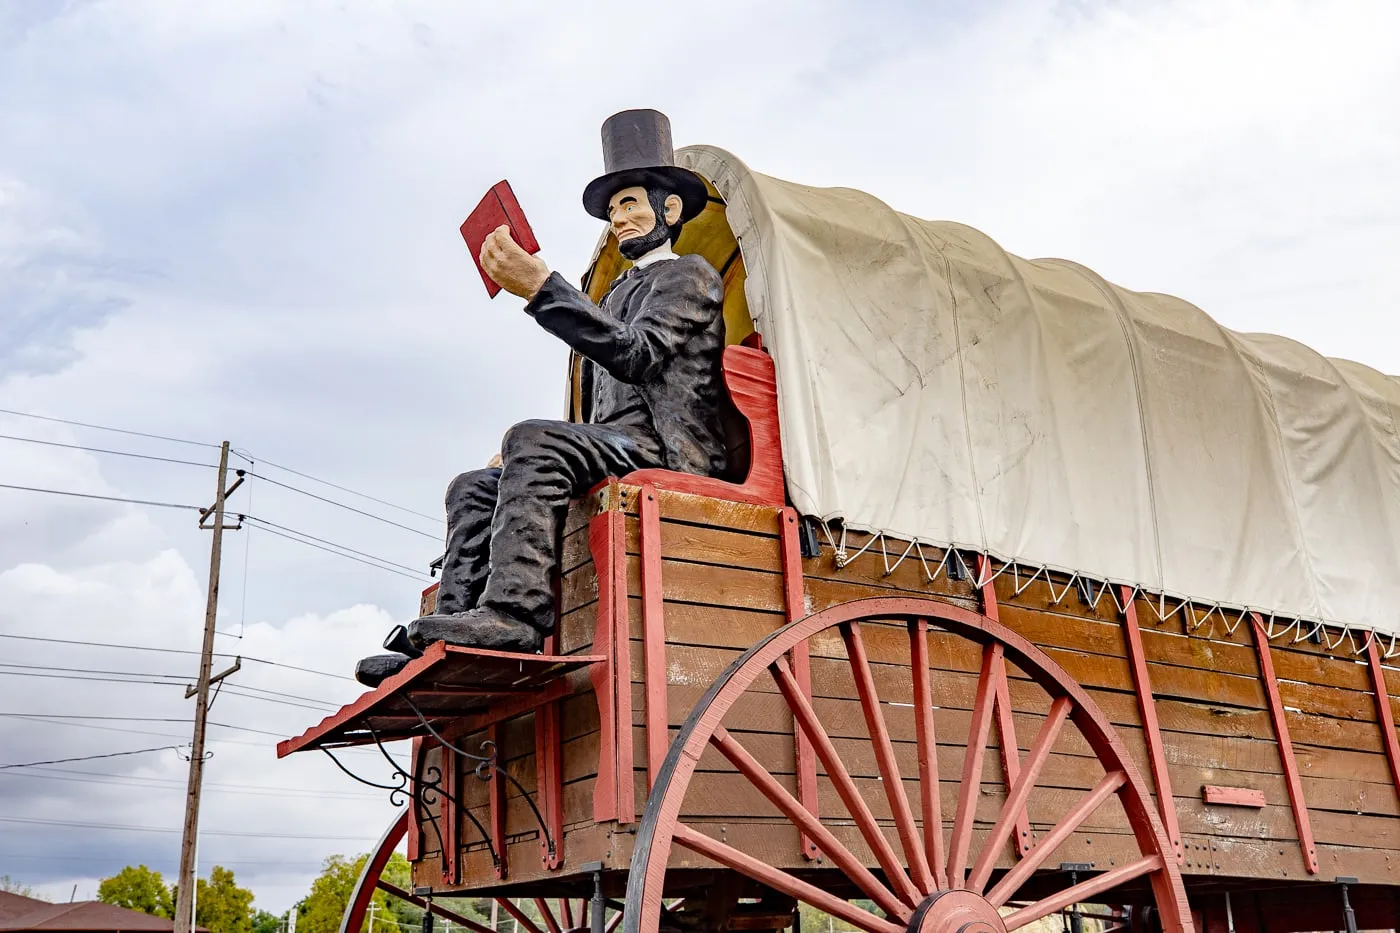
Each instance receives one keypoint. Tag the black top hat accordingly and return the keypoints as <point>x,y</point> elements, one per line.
<point>637,151</point>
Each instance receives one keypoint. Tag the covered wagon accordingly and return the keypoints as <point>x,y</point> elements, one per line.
<point>1036,596</point>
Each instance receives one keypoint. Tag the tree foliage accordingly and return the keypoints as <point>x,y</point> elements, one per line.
<point>221,905</point>
<point>267,922</point>
<point>137,887</point>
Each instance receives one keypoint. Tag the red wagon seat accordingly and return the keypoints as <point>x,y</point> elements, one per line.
<point>752,383</point>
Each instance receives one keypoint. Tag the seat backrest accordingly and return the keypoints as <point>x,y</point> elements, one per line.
<point>752,382</point>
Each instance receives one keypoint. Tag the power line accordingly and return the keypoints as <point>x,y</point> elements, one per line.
<point>127,827</point>
<point>109,859</point>
<point>90,670</point>
<point>101,427</point>
<point>59,761</point>
<point>61,719</point>
<point>382,560</point>
<point>105,450</point>
<point>108,644</point>
<point>158,783</point>
<point>342,505</point>
<point>362,495</point>
<point>90,495</point>
<point>343,554</point>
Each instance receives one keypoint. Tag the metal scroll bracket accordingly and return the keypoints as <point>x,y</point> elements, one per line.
<point>425,791</point>
<point>484,765</point>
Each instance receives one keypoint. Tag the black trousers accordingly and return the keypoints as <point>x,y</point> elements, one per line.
<point>503,524</point>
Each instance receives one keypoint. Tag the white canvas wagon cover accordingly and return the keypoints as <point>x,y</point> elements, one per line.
<point>934,387</point>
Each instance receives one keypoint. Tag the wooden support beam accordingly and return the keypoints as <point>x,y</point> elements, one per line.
<point>1384,718</point>
<point>549,780</point>
<point>496,791</point>
<point>1285,745</point>
<point>451,819</point>
<point>606,543</point>
<point>1147,710</point>
<point>653,633</point>
<point>794,605</point>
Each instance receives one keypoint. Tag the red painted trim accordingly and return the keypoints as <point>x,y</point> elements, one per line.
<point>601,532</point>
<point>1006,725</point>
<point>1232,796</point>
<point>516,706</point>
<point>794,607</point>
<point>549,774</point>
<point>496,792</point>
<point>1384,718</point>
<point>1285,745</point>
<point>653,632</point>
<point>415,828</point>
<point>1147,710</point>
<point>622,673</point>
<point>753,387</point>
<point>451,819</point>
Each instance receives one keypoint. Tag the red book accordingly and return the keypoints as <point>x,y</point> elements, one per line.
<point>498,207</point>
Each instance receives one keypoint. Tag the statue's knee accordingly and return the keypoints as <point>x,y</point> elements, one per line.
<point>472,484</point>
<point>527,437</point>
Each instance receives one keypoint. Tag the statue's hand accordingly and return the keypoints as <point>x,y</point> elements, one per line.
<point>513,269</point>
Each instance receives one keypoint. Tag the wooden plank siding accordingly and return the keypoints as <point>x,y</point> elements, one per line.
<point>722,591</point>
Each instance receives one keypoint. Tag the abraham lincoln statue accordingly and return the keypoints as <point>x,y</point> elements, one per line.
<point>653,389</point>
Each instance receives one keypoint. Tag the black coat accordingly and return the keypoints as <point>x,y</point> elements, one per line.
<point>652,355</point>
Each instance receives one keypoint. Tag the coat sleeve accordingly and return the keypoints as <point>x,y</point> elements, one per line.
<point>685,298</point>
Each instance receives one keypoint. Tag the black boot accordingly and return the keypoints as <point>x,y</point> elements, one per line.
<point>375,669</point>
<point>482,627</point>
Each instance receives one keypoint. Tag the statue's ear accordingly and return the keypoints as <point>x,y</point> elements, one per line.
<point>673,208</point>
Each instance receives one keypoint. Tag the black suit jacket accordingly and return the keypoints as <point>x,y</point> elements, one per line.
<point>652,355</point>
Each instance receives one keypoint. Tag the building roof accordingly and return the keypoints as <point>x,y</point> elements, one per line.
<point>19,913</point>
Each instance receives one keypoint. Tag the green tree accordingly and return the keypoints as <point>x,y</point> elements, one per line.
<point>138,888</point>
<point>221,905</point>
<point>268,922</point>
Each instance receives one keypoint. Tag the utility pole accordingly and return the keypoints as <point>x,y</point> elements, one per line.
<point>184,905</point>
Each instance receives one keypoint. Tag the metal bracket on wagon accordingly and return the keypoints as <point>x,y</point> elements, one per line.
<point>483,765</point>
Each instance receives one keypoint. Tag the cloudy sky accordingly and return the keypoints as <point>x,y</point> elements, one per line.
<point>238,220</point>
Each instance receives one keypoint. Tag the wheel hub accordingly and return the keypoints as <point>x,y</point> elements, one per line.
<point>956,912</point>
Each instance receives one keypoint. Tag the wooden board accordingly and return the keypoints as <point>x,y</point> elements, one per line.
<point>722,591</point>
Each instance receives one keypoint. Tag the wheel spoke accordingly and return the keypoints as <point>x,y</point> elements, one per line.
<point>1016,800</point>
<point>781,881</point>
<point>542,906</point>
<point>884,757</point>
<point>931,806</point>
<point>435,909</point>
<point>613,923</point>
<point>971,788</point>
<point>1082,891</point>
<point>568,911</point>
<point>520,916</point>
<point>792,808</point>
<point>845,787</point>
<point>1046,845</point>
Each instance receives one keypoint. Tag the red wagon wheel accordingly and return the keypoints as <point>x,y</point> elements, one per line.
<point>555,914</point>
<point>932,887</point>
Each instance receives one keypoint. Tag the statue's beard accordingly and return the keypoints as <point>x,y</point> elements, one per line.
<point>638,246</point>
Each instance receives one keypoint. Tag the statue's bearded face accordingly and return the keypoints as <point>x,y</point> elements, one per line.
<point>642,220</point>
